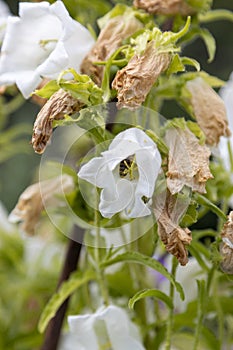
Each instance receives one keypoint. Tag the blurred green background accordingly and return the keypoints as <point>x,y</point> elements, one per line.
<point>20,170</point>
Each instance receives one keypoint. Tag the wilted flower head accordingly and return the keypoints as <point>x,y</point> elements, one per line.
<point>108,328</point>
<point>32,201</point>
<point>110,38</point>
<point>41,42</point>
<point>61,103</point>
<point>188,161</point>
<point>165,7</point>
<point>209,110</point>
<point>134,81</point>
<point>126,172</point>
<point>226,248</point>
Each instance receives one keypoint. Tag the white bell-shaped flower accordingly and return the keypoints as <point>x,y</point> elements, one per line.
<point>126,172</point>
<point>40,43</point>
<point>108,328</point>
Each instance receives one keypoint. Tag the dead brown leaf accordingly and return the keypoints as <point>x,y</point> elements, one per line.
<point>188,161</point>
<point>134,81</point>
<point>209,110</point>
<point>60,104</point>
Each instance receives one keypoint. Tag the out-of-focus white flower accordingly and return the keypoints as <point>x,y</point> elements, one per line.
<point>41,42</point>
<point>108,328</point>
<point>227,95</point>
<point>186,276</point>
<point>4,13</point>
<point>126,172</point>
<point>5,225</point>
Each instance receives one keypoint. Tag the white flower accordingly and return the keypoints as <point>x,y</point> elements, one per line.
<point>41,42</point>
<point>109,328</point>
<point>126,172</point>
<point>4,13</point>
<point>227,95</point>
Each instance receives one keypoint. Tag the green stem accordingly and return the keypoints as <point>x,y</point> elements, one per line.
<point>99,270</point>
<point>200,313</point>
<point>230,155</point>
<point>219,311</point>
<point>14,104</point>
<point>170,316</point>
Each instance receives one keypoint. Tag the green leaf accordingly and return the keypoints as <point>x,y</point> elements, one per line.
<point>151,293</point>
<point>211,206</point>
<point>176,65</point>
<point>216,15</point>
<point>196,130</point>
<point>138,258</point>
<point>67,288</point>
<point>190,216</point>
<point>209,42</point>
<point>186,61</point>
<point>159,142</point>
<point>81,87</point>
<point>47,90</point>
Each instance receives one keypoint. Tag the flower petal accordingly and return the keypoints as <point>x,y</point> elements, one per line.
<point>110,205</point>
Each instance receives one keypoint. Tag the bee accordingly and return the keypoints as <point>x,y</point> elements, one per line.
<point>126,166</point>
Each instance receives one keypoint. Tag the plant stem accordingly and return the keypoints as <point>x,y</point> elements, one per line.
<point>100,273</point>
<point>53,331</point>
<point>170,318</point>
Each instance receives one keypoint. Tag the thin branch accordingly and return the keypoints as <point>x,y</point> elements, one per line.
<point>53,331</point>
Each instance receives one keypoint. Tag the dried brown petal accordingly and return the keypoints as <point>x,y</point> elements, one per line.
<point>134,81</point>
<point>109,39</point>
<point>188,162</point>
<point>58,105</point>
<point>33,200</point>
<point>165,7</point>
<point>226,248</point>
<point>172,235</point>
<point>209,110</point>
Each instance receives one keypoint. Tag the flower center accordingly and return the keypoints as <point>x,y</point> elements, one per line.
<point>128,167</point>
<point>101,332</point>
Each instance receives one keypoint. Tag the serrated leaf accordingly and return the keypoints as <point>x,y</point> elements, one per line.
<point>67,288</point>
<point>81,87</point>
<point>138,258</point>
<point>151,293</point>
<point>176,65</point>
<point>48,89</point>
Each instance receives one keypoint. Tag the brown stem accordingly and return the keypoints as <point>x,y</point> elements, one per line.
<point>53,331</point>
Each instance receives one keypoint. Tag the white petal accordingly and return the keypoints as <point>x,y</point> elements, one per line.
<point>149,164</point>
<point>43,41</point>
<point>124,195</point>
<point>134,135</point>
<point>137,209</point>
<point>96,171</point>
<point>119,328</point>
<point>82,327</point>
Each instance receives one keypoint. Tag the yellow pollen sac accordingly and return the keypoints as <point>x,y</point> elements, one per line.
<point>127,167</point>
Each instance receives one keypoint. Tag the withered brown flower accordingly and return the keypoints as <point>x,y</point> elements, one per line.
<point>188,161</point>
<point>60,104</point>
<point>209,110</point>
<point>135,80</point>
<point>109,39</point>
<point>226,247</point>
<point>171,234</point>
<point>165,7</point>
<point>35,197</point>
